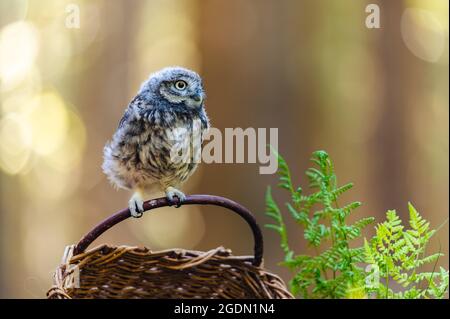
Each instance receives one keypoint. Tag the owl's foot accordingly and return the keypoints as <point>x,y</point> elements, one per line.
<point>171,193</point>
<point>136,205</point>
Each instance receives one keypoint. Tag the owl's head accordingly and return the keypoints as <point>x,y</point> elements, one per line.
<point>177,85</point>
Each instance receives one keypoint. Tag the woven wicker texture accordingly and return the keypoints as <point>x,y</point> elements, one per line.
<point>132,272</point>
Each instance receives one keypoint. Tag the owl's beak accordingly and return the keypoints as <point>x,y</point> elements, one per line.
<point>198,98</point>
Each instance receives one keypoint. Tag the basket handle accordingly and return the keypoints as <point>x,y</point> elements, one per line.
<point>190,200</point>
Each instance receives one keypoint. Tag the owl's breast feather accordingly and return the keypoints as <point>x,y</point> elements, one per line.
<point>164,137</point>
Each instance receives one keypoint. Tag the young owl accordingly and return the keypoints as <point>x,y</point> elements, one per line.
<point>146,152</point>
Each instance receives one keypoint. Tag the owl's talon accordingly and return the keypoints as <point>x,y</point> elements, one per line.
<point>136,205</point>
<point>171,193</point>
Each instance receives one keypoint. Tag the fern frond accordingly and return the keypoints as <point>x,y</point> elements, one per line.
<point>364,222</point>
<point>273,212</point>
<point>347,209</point>
<point>301,217</point>
<point>283,172</point>
<point>397,252</point>
<point>341,190</point>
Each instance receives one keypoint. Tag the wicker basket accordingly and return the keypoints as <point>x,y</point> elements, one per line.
<point>133,272</point>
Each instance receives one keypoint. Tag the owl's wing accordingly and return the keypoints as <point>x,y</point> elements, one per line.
<point>124,118</point>
<point>135,103</point>
<point>204,124</point>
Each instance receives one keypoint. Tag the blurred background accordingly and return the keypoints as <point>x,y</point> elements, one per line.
<point>376,99</point>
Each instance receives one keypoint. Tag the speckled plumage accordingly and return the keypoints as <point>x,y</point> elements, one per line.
<point>138,157</point>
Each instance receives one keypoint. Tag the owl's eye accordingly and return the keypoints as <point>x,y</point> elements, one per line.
<point>180,85</point>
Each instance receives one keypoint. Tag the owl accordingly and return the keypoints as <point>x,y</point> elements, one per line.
<point>152,148</point>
